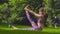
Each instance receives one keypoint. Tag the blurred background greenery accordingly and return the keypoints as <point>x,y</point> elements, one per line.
<point>12,11</point>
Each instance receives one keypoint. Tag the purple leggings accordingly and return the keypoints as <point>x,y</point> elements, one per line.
<point>34,25</point>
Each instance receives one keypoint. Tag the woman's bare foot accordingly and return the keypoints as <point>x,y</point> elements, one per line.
<point>14,27</point>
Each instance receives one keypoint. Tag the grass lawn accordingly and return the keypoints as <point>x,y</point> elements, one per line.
<point>5,30</point>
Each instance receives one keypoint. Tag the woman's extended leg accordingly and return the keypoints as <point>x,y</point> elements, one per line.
<point>31,21</point>
<point>22,28</point>
<point>34,25</point>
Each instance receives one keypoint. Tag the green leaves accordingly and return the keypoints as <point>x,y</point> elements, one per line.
<point>17,10</point>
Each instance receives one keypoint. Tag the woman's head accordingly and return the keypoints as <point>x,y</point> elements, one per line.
<point>42,11</point>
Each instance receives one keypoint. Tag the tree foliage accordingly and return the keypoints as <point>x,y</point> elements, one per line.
<point>13,10</point>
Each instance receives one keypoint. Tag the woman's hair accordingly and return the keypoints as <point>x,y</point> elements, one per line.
<point>41,9</point>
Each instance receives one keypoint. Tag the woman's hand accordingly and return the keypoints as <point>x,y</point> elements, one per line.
<point>27,8</point>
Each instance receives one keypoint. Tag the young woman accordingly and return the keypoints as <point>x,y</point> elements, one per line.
<point>40,17</point>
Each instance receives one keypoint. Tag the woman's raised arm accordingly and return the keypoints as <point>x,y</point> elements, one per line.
<point>37,15</point>
<point>27,8</point>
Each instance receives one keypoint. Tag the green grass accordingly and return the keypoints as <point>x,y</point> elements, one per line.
<point>5,30</point>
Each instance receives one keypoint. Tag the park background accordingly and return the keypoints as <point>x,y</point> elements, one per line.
<point>12,12</point>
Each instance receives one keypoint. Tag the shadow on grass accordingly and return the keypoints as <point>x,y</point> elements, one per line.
<point>24,32</point>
